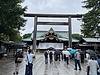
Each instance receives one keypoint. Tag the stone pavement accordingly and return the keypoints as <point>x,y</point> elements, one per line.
<point>40,68</point>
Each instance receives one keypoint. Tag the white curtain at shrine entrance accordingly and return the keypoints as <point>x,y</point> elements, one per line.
<point>48,45</point>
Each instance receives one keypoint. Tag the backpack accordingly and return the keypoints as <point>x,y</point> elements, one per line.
<point>19,57</point>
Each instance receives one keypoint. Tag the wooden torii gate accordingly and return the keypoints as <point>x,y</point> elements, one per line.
<point>69,16</point>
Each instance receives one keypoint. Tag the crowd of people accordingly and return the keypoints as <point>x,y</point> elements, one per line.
<point>93,62</point>
<point>64,55</point>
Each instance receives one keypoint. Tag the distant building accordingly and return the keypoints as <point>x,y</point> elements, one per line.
<point>10,48</point>
<point>89,43</point>
<point>50,38</point>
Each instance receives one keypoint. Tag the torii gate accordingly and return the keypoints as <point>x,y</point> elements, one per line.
<point>69,16</point>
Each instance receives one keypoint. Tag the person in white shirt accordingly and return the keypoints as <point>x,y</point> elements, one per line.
<point>29,62</point>
<point>67,57</point>
<point>93,66</point>
<point>87,56</point>
<point>67,54</point>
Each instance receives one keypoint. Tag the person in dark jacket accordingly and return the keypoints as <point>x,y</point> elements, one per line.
<point>18,60</point>
<point>46,57</point>
<point>50,56</point>
<point>82,58</point>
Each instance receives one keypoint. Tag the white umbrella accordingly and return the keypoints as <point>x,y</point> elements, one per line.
<point>65,52</point>
<point>69,48</point>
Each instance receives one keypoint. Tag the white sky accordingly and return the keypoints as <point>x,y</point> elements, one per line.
<point>53,7</point>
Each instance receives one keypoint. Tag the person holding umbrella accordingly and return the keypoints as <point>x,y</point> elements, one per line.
<point>72,52</point>
<point>82,53</point>
<point>57,55</point>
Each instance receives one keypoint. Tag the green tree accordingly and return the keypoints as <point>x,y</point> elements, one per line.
<point>10,17</point>
<point>4,37</point>
<point>27,35</point>
<point>76,36</point>
<point>15,37</point>
<point>91,19</point>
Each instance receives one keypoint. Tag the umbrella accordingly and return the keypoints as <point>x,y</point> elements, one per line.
<point>69,48</point>
<point>57,52</point>
<point>72,51</point>
<point>82,52</point>
<point>50,48</point>
<point>65,52</point>
<point>91,52</point>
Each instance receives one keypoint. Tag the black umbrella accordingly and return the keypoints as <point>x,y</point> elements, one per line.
<point>51,48</point>
<point>82,52</point>
<point>91,52</point>
<point>57,52</point>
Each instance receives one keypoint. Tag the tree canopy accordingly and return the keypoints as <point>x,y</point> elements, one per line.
<point>76,36</point>
<point>10,17</point>
<point>26,35</point>
<point>91,19</point>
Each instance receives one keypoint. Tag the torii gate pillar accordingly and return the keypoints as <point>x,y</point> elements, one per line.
<point>70,32</point>
<point>34,34</point>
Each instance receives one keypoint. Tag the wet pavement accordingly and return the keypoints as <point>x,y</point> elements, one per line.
<point>40,68</point>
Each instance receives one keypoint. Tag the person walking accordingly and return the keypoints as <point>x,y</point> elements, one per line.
<point>77,60</point>
<point>51,57</point>
<point>18,60</point>
<point>87,56</point>
<point>67,54</point>
<point>29,62</point>
<point>64,55</point>
<point>93,66</point>
<point>55,56</point>
<point>98,60</point>
<point>46,57</point>
<point>67,57</point>
<point>82,57</point>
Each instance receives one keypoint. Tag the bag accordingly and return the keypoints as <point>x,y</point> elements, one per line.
<point>99,70</point>
<point>30,64</point>
<point>19,59</point>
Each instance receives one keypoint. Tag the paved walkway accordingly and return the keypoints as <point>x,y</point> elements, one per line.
<point>40,68</point>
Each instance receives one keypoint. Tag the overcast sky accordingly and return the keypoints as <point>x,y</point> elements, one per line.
<point>53,7</point>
